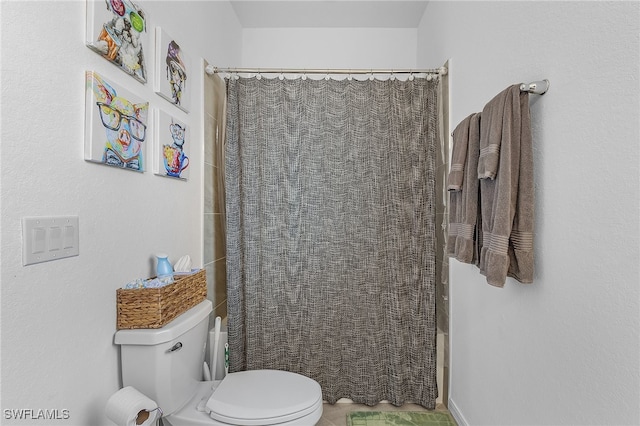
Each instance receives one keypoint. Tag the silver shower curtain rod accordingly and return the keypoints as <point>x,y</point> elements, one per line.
<point>535,87</point>
<point>210,69</point>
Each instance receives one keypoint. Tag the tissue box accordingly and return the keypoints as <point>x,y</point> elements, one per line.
<point>155,307</point>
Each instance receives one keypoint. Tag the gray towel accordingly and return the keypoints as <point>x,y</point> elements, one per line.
<point>507,199</point>
<point>500,123</point>
<point>459,155</point>
<point>462,242</point>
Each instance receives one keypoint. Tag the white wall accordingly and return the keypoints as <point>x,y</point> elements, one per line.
<point>564,350</point>
<point>58,318</point>
<point>561,351</point>
<point>329,48</point>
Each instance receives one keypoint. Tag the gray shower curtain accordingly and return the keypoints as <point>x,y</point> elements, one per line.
<point>331,233</point>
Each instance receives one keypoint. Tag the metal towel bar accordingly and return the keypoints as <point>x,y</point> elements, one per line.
<point>536,87</point>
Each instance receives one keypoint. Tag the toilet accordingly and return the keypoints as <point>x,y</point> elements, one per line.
<point>165,364</point>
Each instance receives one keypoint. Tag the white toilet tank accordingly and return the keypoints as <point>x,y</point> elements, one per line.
<point>165,364</point>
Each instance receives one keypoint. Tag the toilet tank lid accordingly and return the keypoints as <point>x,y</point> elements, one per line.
<point>180,325</point>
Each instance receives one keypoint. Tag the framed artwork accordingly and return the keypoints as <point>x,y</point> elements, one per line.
<point>172,69</point>
<point>171,152</point>
<point>117,30</point>
<point>115,124</point>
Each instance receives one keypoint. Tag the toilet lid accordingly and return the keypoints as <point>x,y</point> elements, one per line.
<point>263,397</point>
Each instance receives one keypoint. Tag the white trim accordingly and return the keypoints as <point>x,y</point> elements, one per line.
<point>457,415</point>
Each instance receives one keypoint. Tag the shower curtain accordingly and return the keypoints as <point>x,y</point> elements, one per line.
<point>330,189</point>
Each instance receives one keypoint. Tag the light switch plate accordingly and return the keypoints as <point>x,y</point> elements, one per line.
<point>49,238</point>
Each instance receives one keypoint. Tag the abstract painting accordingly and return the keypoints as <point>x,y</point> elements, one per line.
<point>172,69</point>
<point>115,124</point>
<point>117,30</point>
<point>171,157</point>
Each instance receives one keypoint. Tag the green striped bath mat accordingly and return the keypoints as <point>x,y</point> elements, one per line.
<point>400,418</point>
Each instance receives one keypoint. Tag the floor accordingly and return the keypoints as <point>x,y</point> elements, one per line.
<point>336,414</point>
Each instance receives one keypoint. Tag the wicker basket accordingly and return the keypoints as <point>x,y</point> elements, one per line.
<point>155,307</point>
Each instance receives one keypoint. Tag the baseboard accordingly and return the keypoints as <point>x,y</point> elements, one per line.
<point>457,415</point>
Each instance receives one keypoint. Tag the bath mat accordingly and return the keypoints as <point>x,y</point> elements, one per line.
<point>399,418</point>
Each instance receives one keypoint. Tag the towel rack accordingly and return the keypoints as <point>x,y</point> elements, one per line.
<point>536,87</point>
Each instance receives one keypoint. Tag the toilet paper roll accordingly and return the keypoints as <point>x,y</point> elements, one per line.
<point>129,407</point>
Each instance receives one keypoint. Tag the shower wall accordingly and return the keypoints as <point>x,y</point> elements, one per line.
<point>214,249</point>
<point>442,261</point>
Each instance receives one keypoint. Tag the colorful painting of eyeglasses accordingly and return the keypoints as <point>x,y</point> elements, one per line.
<point>115,125</point>
<point>117,29</point>
<point>171,71</point>
<point>171,147</point>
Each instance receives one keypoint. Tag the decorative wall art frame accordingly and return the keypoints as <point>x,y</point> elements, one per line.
<point>115,124</point>
<point>171,147</point>
<point>171,71</point>
<point>117,30</point>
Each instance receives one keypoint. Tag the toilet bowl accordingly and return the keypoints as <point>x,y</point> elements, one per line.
<point>165,364</point>
<point>249,398</point>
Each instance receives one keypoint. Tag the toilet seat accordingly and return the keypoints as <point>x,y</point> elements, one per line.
<point>263,398</point>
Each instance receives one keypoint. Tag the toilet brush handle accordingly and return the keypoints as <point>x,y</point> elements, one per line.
<point>214,351</point>
<point>226,359</point>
